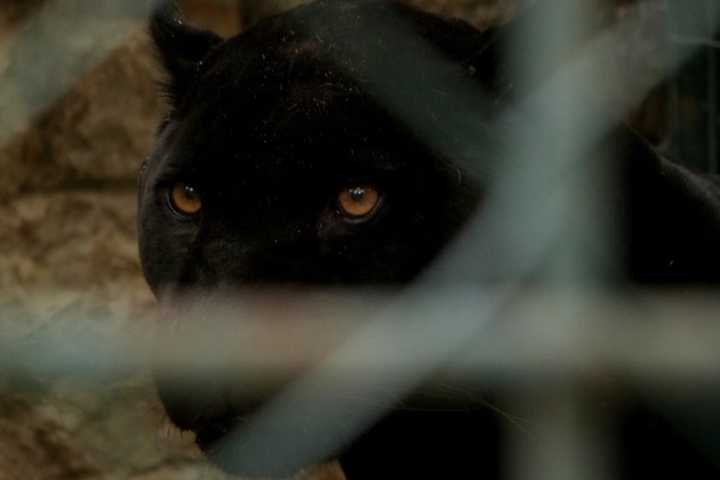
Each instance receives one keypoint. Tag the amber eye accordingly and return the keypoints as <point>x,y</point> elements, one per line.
<point>357,202</point>
<point>185,199</point>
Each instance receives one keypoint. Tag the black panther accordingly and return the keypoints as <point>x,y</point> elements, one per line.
<point>346,143</point>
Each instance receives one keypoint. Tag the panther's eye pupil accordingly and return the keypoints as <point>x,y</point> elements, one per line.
<point>185,199</point>
<point>357,194</point>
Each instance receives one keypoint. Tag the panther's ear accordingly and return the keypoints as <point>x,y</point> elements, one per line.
<point>181,48</point>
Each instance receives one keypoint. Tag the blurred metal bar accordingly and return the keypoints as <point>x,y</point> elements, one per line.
<point>712,93</point>
<point>564,439</point>
<point>485,244</point>
<point>546,335</point>
<point>559,445</point>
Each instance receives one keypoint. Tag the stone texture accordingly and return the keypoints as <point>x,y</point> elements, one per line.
<point>100,129</point>
<point>81,241</point>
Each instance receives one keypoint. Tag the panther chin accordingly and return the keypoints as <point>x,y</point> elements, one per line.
<point>250,421</point>
<point>409,442</point>
<point>224,357</point>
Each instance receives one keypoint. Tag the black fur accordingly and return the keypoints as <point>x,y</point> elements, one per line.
<point>181,48</point>
<point>270,125</point>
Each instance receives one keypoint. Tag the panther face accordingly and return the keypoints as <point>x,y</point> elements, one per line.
<point>287,161</point>
<point>281,164</point>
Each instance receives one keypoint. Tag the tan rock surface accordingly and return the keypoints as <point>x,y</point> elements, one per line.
<point>101,129</point>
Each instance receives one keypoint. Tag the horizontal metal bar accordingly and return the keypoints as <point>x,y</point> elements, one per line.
<point>543,335</point>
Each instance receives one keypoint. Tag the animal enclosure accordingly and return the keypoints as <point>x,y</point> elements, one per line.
<point>81,105</point>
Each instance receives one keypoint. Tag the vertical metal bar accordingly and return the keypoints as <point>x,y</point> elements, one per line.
<point>712,97</point>
<point>561,442</point>
<point>672,107</point>
<point>564,439</point>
